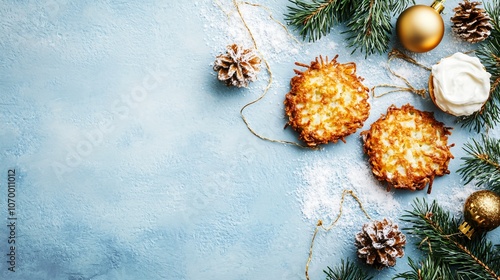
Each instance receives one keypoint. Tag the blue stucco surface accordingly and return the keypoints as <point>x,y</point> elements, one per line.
<point>132,161</point>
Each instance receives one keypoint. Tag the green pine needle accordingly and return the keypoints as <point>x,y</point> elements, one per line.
<point>369,27</point>
<point>450,255</point>
<point>489,54</point>
<point>313,19</point>
<point>368,22</point>
<point>430,268</point>
<point>483,163</point>
<point>439,235</point>
<point>346,271</point>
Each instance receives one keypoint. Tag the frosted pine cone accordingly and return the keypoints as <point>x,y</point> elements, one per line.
<point>380,243</point>
<point>238,66</point>
<point>471,23</point>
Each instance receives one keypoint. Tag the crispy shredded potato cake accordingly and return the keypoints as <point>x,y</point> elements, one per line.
<point>327,101</point>
<point>407,148</point>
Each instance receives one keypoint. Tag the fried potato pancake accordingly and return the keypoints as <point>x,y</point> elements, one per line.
<point>327,101</point>
<point>407,148</point>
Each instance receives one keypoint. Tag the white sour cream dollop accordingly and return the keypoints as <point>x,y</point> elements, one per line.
<point>461,84</point>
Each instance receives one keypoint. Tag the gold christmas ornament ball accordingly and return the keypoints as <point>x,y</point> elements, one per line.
<point>481,212</point>
<point>420,28</point>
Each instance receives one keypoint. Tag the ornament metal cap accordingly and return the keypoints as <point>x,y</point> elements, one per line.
<point>466,229</point>
<point>438,5</point>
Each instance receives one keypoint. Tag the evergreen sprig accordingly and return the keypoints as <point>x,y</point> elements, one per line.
<point>346,271</point>
<point>313,19</point>
<point>483,163</point>
<point>430,268</point>
<point>489,54</point>
<point>368,22</point>
<point>438,232</point>
<point>450,255</point>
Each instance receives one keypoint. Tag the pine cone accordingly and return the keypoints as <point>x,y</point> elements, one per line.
<point>238,66</point>
<point>471,23</point>
<point>380,243</point>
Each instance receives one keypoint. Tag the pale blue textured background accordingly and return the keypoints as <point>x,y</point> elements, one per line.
<point>171,185</point>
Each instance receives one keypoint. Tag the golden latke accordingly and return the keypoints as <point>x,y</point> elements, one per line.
<point>407,148</point>
<point>327,101</point>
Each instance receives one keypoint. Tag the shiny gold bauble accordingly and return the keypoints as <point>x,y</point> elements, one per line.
<point>481,212</point>
<point>420,28</point>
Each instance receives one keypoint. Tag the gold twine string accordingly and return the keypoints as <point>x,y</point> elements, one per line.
<point>270,81</point>
<point>393,54</point>
<point>326,229</point>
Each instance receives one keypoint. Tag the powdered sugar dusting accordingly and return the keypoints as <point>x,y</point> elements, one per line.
<point>454,201</point>
<point>324,182</point>
<point>271,36</point>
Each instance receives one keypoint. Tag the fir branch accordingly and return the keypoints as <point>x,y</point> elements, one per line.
<point>313,19</point>
<point>368,21</point>
<point>397,6</point>
<point>370,28</point>
<point>346,271</point>
<point>483,163</point>
<point>489,54</point>
<point>430,268</point>
<point>494,13</point>
<point>470,259</point>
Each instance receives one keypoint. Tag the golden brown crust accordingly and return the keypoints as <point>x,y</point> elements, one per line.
<point>327,101</point>
<point>431,88</point>
<point>431,94</point>
<point>407,148</point>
